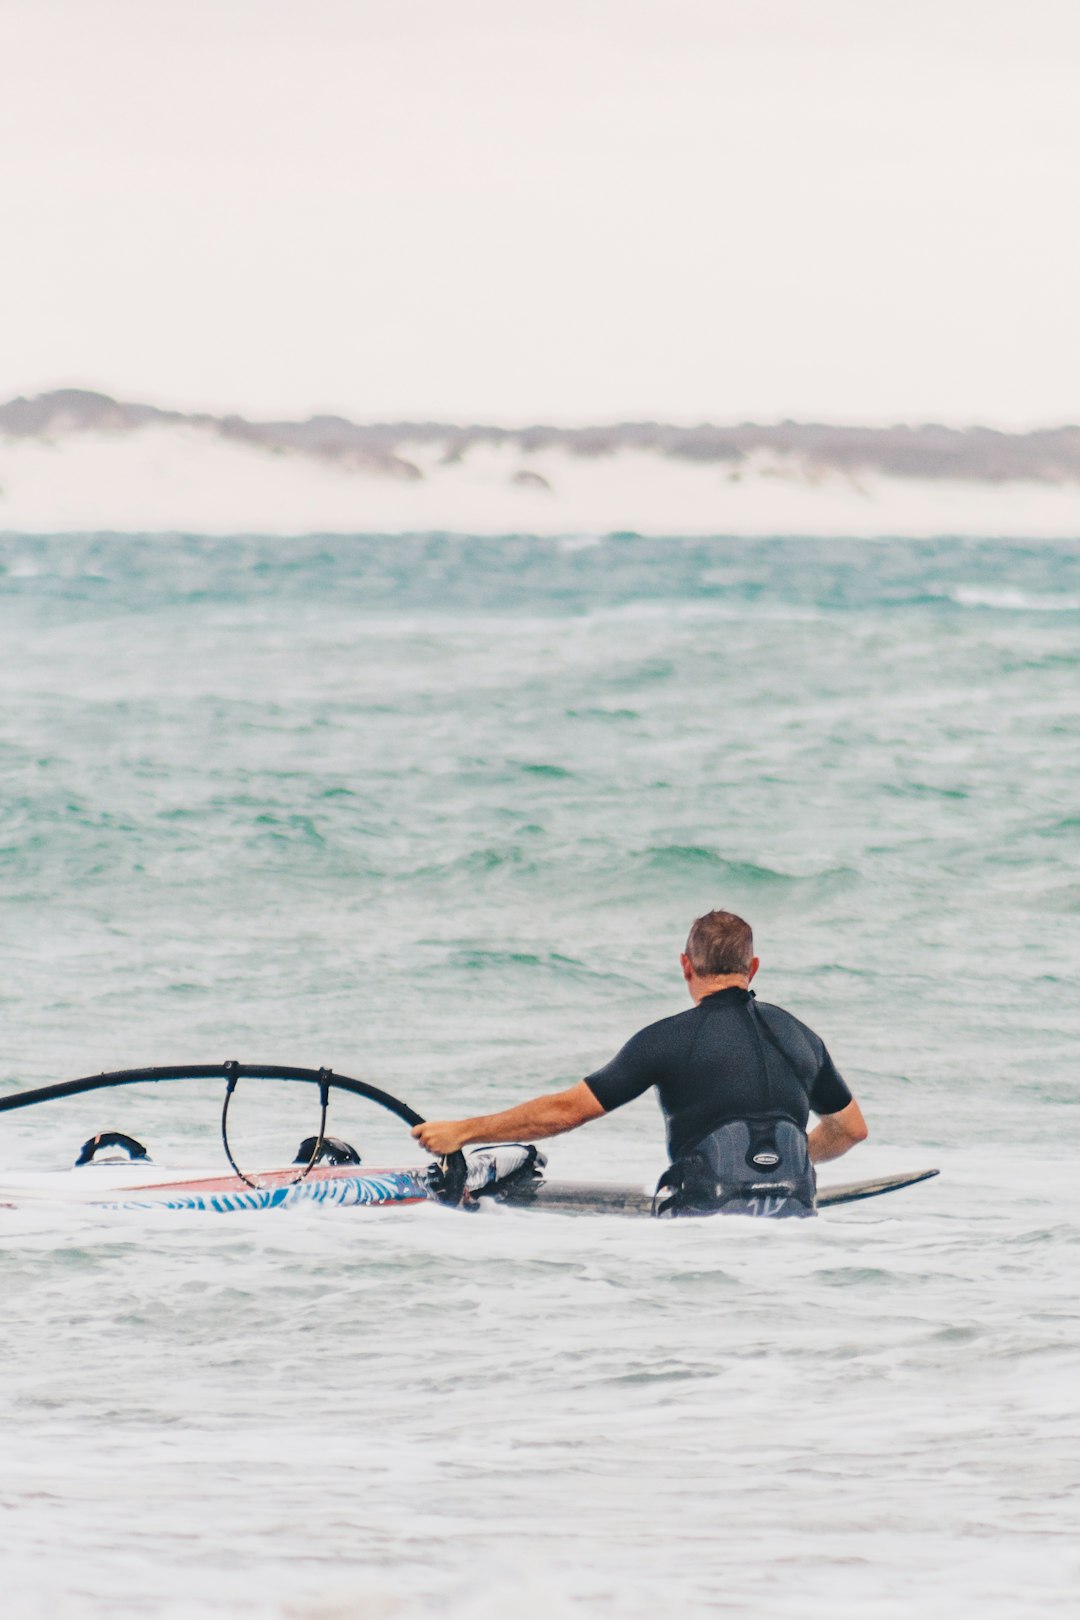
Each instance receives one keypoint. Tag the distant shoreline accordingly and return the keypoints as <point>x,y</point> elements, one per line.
<point>74,459</point>
<point>1044,455</point>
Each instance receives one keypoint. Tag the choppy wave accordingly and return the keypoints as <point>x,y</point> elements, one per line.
<point>680,857</point>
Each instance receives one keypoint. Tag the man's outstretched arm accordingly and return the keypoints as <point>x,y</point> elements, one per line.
<point>542,1116</point>
<point>836,1133</point>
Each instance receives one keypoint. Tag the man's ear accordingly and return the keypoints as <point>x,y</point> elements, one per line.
<point>687,967</point>
<point>752,969</point>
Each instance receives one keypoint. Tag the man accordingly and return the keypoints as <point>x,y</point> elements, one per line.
<point>736,1078</point>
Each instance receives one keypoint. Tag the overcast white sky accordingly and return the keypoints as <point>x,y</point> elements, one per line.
<point>546,209</point>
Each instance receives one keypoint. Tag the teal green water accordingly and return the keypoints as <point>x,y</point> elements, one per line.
<point>438,811</point>
<point>289,791</point>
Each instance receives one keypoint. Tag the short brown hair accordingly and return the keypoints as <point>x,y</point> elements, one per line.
<point>720,943</point>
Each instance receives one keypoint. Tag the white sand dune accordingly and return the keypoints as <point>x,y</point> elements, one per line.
<point>179,476</point>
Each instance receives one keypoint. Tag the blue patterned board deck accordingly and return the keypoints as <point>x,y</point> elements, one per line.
<point>380,1187</point>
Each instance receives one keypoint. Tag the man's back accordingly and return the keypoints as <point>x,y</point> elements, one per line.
<point>730,1057</point>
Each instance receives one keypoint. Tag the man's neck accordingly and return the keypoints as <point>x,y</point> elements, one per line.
<point>700,988</point>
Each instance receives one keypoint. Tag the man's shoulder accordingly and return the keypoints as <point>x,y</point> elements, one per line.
<point>664,1028</point>
<point>781,1017</point>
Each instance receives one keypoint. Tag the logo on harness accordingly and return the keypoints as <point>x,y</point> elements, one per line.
<point>765,1159</point>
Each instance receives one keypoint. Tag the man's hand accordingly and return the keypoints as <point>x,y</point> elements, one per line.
<point>442,1136</point>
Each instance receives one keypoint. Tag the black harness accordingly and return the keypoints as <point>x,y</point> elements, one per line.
<point>744,1167</point>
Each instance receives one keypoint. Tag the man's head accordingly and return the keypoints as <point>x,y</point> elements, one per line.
<point>719,952</point>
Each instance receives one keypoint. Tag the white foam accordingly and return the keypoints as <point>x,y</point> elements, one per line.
<point>1013,600</point>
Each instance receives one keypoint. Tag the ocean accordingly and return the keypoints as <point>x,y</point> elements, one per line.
<point>437,812</point>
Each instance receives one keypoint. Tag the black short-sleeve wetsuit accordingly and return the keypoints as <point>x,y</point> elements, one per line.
<point>731,1057</point>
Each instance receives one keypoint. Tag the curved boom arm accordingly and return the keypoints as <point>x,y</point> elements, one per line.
<point>213,1071</point>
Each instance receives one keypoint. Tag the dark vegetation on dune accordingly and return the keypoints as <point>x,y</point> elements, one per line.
<point>1045,455</point>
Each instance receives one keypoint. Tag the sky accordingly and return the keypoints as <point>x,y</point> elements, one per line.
<point>546,210</point>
